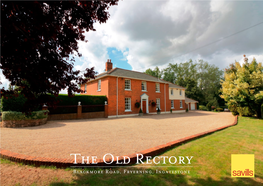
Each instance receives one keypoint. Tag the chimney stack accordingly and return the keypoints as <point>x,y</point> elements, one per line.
<point>108,65</point>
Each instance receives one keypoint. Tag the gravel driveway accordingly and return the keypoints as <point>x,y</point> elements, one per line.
<point>120,136</point>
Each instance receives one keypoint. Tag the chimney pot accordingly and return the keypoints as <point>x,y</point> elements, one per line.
<point>108,65</point>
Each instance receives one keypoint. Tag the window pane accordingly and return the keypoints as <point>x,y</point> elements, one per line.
<point>143,85</point>
<point>157,87</point>
<point>127,103</point>
<point>127,84</point>
<point>99,84</point>
<point>157,103</point>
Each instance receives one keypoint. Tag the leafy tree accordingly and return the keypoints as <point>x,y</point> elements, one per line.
<point>156,72</point>
<point>201,80</point>
<point>243,87</point>
<point>39,40</point>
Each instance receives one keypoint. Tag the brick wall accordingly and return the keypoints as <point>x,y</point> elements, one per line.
<point>92,87</point>
<point>135,95</point>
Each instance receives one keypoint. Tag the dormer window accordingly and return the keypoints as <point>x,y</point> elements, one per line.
<point>180,92</point>
<point>172,92</point>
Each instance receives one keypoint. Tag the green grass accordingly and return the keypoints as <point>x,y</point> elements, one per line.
<point>211,163</point>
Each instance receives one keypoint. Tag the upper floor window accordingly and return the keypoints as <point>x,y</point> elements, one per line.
<point>85,90</point>
<point>157,87</point>
<point>181,104</point>
<point>144,86</point>
<point>180,92</point>
<point>99,84</point>
<point>127,84</point>
<point>172,104</point>
<point>172,91</point>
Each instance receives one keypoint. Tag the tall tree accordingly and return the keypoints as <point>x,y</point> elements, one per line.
<point>155,72</point>
<point>243,86</point>
<point>38,39</point>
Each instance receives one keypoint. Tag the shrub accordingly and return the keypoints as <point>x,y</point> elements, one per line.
<point>12,115</point>
<point>140,110</point>
<point>14,103</point>
<point>202,107</point>
<point>245,111</point>
<point>219,109</point>
<point>137,104</point>
<point>212,103</point>
<point>233,109</point>
<point>158,110</point>
<point>186,109</point>
<point>215,110</point>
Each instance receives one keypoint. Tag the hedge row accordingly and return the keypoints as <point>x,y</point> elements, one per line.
<point>84,99</point>
<point>12,115</point>
<point>13,103</point>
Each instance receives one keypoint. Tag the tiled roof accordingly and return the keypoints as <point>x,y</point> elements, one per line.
<point>135,75</point>
<point>188,100</point>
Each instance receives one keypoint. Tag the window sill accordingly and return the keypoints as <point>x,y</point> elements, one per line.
<point>157,92</point>
<point>98,90</point>
<point>172,108</point>
<point>128,90</point>
<point>128,110</point>
<point>181,107</point>
<point>144,90</point>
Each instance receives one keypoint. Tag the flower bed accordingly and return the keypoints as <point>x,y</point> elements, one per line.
<point>11,119</point>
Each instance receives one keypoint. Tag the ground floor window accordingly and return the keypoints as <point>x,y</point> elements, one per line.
<point>181,104</point>
<point>172,104</point>
<point>158,103</point>
<point>127,104</point>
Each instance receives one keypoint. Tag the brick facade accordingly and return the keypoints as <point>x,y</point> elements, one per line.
<point>109,88</point>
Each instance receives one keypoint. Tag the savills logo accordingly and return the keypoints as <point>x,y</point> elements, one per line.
<point>242,165</point>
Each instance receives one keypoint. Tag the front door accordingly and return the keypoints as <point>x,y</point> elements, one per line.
<point>144,106</point>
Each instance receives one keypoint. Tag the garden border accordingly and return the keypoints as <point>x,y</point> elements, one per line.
<point>64,163</point>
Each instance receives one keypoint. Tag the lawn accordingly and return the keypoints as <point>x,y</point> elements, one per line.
<point>210,165</point>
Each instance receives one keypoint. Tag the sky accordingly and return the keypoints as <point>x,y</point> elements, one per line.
<point>142,34</point>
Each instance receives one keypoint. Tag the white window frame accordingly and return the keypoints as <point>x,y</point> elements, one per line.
<point>99,85</point>
<point>158,104</point>
<point>172,91</point>
<point>181,103</point>
<point>180,92</point>
<point>125,84</point>
<point>85,88</point>
<point>145,85</point>
<point>172,104</point>
<point>157,87</point>
<point>129,104</point>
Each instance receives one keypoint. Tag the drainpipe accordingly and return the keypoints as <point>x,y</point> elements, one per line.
<point>117,97</point>
<point>165,97</point>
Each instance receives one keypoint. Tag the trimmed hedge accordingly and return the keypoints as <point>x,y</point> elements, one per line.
<point>12,103</point>
<point>64,99</point>
<point>12,115</point>
<point>15,103</point>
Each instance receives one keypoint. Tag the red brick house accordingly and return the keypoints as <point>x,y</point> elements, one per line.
<point>124,88</point>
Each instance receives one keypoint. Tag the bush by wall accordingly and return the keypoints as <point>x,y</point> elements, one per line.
<point>219,109</point>
<point>64,99</point>
<point>202,107</point>
<point>12,115</point>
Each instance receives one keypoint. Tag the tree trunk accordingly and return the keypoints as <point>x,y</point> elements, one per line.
<point>259,114</point>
